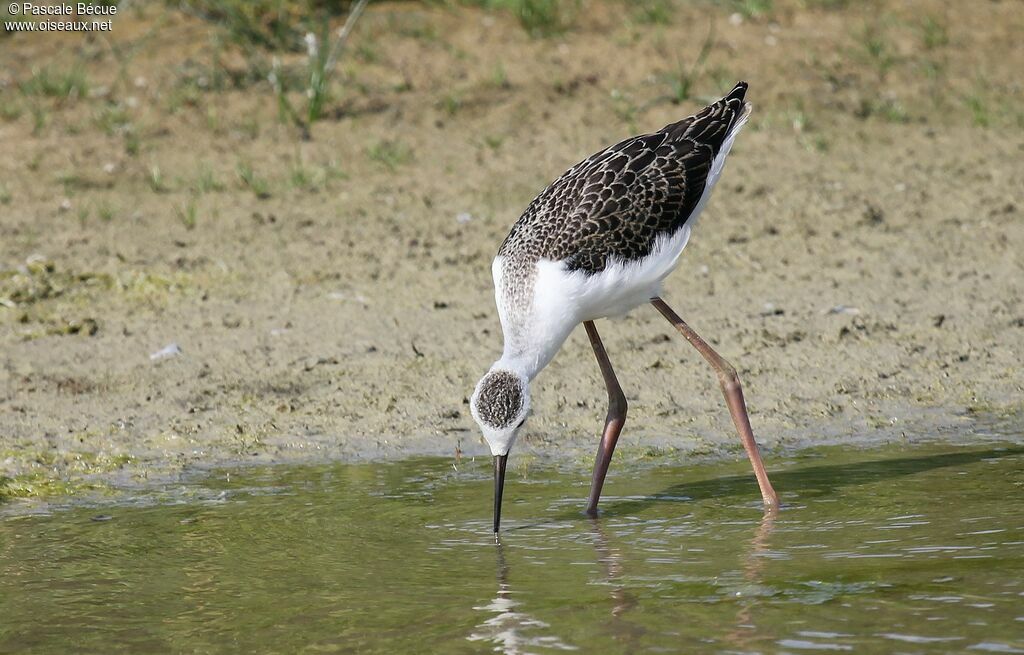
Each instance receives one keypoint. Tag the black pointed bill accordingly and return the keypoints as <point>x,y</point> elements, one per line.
<point>499,485</point>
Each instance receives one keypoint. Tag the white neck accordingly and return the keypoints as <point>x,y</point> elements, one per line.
<point>522,364</point>
<point>535,330</point>
<point>528,356</point>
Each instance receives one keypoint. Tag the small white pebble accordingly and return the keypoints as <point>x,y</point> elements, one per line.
<point>841,309</point>
<point>341,295</point>
<point>736,19</point>
<point>65,205</point>
<point>463,217</point>
<point>170,350</point>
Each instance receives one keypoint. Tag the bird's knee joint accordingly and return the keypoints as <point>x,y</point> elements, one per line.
<point>729,379</point>
<point>618,406</point>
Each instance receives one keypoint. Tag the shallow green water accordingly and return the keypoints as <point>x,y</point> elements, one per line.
<point>913,551</point>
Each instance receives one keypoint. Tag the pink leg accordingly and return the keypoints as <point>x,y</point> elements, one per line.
<point>613,423</point>
<point>733,392</point>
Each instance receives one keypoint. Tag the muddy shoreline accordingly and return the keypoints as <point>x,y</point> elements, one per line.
<point>331,299</point>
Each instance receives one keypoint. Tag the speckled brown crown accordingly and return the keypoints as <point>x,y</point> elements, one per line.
<point>500,399</point>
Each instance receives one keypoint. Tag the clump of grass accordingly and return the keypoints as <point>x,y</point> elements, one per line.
<point>682,81</point>
<point>105,211</point>
<point>888,109</point>
<point>270,24</point>
<point>541,17</point>
<point>753,8</point>
<point>5,195</point>
<point>877,49</point>
<point>934,33</point>
<point>182,96</point>
<point>320,69</point>
<point>113,119</point>
<point>827,4</point>
<point>980,113</point>
<point>213,121</point>
<point>391,154</point>
<point>367,54</point>
<point>9,110</point>
<point>252,181</point>
<point>72,181</point>
<point>206,181</point>
<point>39,119</point>
<point>499,77</point>
<point>155,179</point>
<point>653,12</point>
<point>300,176</point>
<point>47,82</point>
<point>132,143</point>
<point>893,111</point>
<point>538,17</point>
<point>933,70</point>
<point>187,214</point>
<point>820,143</point>
<point>450,103</point>
<point>800,121</point>
<point>321,62</point>
<point>312,178</point>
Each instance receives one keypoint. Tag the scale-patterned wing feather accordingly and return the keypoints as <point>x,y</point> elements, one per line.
<point>616,203</point>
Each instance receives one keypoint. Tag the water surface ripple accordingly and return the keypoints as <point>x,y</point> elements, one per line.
<point>897,551</point>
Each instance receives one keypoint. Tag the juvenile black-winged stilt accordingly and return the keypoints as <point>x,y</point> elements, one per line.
<point>598,242</point>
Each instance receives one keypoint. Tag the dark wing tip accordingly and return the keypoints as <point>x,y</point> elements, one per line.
<point>738,91</point>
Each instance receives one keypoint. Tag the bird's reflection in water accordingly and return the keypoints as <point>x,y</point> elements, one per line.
<point>745,632</point>
<point>511,631</point>
<point>609,557</point>
<point>515,632</point>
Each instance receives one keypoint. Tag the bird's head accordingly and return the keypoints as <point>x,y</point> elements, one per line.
<point>500,404</point>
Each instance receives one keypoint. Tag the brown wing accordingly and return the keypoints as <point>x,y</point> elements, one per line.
<point>618,201</point>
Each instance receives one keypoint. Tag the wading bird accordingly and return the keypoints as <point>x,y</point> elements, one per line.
<point>598,242</point>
